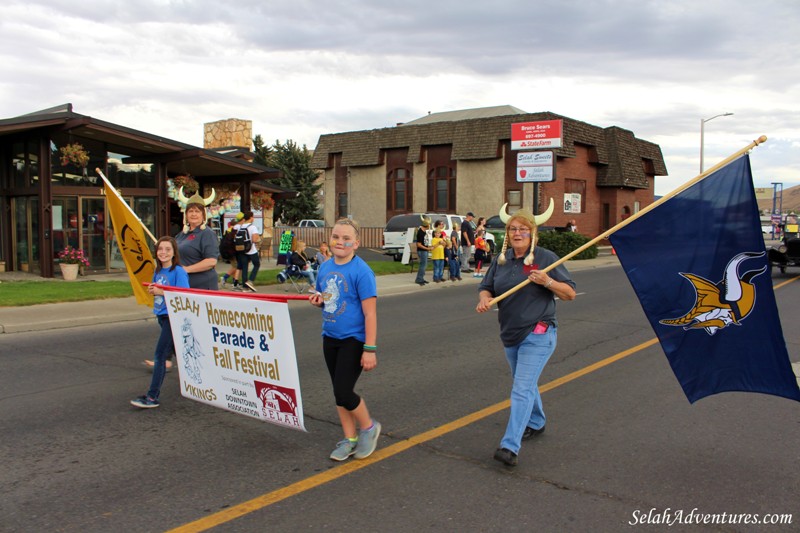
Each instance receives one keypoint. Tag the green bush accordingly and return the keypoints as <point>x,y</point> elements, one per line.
<point>563,243</point>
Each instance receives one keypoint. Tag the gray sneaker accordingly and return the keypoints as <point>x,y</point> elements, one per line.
<point>368,441</point>
<point>344,449</point>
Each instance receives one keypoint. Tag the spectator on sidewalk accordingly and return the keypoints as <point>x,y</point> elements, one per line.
<point>423,240</point>
<point>467,241</point>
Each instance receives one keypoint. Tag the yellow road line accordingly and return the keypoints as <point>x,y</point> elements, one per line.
<point>303,485</point>
<point>788,281</point>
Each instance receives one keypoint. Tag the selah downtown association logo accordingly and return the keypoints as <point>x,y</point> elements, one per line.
<point>279,404</point>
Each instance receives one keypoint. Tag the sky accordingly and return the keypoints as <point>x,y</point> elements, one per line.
<point>305,68</point>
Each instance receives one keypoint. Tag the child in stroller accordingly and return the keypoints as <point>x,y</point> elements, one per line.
<point>300,268</point>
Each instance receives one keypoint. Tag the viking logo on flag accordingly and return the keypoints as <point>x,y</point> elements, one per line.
<point>132,246</point>
<point>722,304</point>
<point>721,330</point>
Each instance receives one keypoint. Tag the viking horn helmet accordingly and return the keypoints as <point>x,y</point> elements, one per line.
<point>196,199</point>
<point>535,220</point>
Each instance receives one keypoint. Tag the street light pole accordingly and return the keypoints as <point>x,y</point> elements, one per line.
<point>702,134</point>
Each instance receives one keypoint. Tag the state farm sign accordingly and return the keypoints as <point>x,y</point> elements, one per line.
<point>536,135</point>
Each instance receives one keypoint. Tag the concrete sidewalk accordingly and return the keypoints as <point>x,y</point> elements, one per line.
<point>72,314</point>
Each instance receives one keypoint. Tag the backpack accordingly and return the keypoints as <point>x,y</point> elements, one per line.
<point>227,246</point>
<point>242,240</point>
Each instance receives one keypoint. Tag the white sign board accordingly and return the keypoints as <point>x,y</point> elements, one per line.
<point>535,167</point>
<point>237,353</point>
<point>572,202</point>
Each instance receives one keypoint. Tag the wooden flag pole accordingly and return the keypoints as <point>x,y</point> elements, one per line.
<point>630,219</point>
<point>108,184</point>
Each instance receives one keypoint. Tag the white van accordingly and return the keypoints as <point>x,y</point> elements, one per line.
<point>394,234</point>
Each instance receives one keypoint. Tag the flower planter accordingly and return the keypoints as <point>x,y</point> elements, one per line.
<point>70,272</point>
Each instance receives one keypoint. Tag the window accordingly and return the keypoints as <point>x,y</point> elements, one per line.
<point>442,189</point>
<point>125,176</point>
<point>576,187</point>
<point>398,190</point>
<point>341,205</point>
<point>20,164</point>
<point>73,160</point>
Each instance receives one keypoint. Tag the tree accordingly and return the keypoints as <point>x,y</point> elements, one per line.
<point>263,152</point>
<point>296,174</point>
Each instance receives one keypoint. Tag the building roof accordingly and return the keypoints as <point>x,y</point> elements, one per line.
<point>144,147</point>
<point>619,153</point>
<point>466,114</point>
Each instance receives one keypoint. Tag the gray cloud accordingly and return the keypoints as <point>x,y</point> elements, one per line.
<point>310,67</point>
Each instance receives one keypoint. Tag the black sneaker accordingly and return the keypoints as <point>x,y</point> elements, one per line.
<point>145,402</point>
<point>530,432</point>
<point>506,456</point>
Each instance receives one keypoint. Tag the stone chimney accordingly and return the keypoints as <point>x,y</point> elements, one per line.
<point>232,132</point>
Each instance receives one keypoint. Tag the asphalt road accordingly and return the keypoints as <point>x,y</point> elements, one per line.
<point>621,440</point>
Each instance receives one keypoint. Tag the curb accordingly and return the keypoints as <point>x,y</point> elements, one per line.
<point>44,317</point>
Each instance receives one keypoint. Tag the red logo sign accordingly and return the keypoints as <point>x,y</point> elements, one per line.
<point>279,404</point>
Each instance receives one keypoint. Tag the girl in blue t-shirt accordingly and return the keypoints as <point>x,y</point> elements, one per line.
<point>347,293</point>
<point>168,272</point>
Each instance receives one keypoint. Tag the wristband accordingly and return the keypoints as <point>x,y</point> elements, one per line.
<point>370,348</point>
<point>547,285</point>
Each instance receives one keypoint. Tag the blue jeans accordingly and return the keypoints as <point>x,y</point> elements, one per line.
<point>310,275</point>
<point>423,263</point>
<point>242,261</point>
<point>455,267</point>
<point>527,360</point>
<point>438,269</point>
<point>164,349</point>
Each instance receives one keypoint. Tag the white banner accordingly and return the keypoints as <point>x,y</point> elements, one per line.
<point>237,353</point>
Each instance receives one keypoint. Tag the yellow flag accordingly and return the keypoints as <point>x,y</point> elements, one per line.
<point>132,245</point>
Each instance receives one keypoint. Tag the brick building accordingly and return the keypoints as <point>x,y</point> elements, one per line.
<point>462,161</point>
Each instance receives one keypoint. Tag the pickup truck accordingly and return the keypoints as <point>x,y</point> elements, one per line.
<point>311,223</point>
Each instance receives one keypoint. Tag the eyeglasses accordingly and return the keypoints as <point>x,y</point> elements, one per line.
<point>515,229</point>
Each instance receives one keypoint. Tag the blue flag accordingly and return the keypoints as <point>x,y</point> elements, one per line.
<point>699,267</point>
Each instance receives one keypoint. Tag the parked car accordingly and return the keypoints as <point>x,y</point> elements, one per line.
<point>311,223</point>
<point>394,234</point>
<point>786,253</point>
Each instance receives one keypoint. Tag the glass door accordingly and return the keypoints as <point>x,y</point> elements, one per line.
<point>25,238</point>
<point>95,232</point>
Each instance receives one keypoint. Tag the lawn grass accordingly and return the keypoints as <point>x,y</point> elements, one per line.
<point>22,293</point>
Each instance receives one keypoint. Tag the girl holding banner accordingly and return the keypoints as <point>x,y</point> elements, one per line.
<point>347,293</point>
<point>170,273</point>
